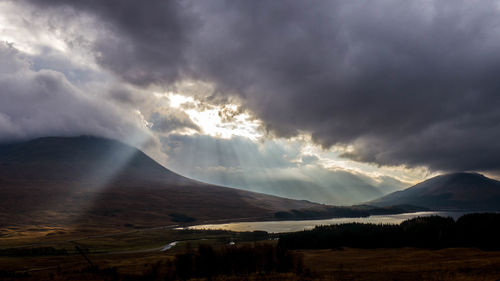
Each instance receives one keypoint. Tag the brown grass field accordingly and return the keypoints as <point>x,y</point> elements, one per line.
<point>404,264</point>
<point>135,253</point>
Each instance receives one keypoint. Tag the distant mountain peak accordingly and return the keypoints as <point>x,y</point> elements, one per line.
<point>464,175</point>
<point>470,178</point>
<point>462,190</point>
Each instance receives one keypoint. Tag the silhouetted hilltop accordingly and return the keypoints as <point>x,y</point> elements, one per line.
<point>461,191</point>
<point>97,181</point>
<point>84,158</point>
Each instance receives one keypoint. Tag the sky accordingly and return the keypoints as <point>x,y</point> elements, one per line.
<point>336,102</point>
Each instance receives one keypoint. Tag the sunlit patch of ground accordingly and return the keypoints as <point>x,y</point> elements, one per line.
<point>11,236</point>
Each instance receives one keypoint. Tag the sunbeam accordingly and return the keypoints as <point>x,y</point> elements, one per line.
<point>124,123</point>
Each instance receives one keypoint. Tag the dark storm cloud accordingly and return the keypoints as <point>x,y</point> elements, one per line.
<point>145,42</point>
<point>407,83</point>
<point>412,83</point>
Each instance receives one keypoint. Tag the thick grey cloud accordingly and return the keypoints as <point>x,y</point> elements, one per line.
<point>405,83</point>
<point>171,121</point>
<point>35,103</point>
<point>142,43</point>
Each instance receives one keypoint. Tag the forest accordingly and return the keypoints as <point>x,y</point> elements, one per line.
<point>479,230</point>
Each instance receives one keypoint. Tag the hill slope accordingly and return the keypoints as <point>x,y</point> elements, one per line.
<point>462,191</point>
<point>96,181</point>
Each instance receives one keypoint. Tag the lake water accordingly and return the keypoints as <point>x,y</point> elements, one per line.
<point>292,226</point>
<point>168,246</point>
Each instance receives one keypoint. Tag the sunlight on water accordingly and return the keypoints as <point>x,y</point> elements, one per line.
<point>168,246</point>
<point>291,226</point>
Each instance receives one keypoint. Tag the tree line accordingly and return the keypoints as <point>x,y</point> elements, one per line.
<point>207,261</point>
<point>480,230</point>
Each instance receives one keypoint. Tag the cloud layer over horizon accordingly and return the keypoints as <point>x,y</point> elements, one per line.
<point>398,83</point>
<point>333,101</point>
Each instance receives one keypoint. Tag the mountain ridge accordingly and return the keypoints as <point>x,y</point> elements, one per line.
<point>460,191</point>
<point>90,180</point>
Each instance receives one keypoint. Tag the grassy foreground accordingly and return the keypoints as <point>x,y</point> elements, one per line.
<point>225,255</point>
<point>345,264</point>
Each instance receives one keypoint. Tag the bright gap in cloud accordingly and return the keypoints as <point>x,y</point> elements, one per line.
<point>221,121</point>
<point>20,27</point>
<point>227,122</point>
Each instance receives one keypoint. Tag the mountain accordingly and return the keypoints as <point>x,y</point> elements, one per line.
<point>340,190</point>
<point>83,181</point>
<point>458,191</point>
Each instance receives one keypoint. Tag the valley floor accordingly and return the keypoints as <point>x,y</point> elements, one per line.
<point>126,257</point>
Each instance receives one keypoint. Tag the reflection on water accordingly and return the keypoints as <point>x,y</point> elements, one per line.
<point>291,226</point>
<point>168,246</point>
